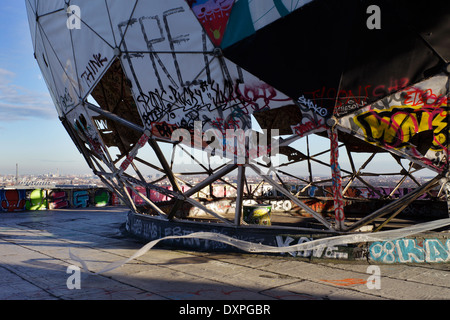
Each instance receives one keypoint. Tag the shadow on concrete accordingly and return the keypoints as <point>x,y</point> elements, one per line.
<point>35,259</point>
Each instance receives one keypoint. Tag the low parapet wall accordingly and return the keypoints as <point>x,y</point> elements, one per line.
<point>427,247</point>
<point>17,199</point>
<point>422,249</point>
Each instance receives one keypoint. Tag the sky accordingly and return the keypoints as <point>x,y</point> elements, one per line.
<point>31,134</point>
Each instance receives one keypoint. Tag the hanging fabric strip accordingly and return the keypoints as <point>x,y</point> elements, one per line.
<point>261,248</point>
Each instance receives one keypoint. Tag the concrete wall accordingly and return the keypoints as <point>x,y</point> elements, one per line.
<point>15,200</point>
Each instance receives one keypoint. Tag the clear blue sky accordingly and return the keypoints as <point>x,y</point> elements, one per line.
<point>30,131</point>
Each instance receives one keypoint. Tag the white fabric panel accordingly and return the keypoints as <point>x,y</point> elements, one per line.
<point>58,47</point>
<point>92,56</point>
<point>94,15</point>
<point>120,12</point>
<point>175,75</point>
<point>49,6</point>
<point>32,19</point>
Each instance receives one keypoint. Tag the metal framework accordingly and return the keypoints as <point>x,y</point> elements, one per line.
<point>124,75</point>
<point>124,180</point>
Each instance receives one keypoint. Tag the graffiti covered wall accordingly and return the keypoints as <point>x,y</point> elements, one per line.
<point>317,198</point>
<point>12,200</point>
<point>410,250</point>
<point>16,200</point>
<point>404,250</point>
<point>412,122</point>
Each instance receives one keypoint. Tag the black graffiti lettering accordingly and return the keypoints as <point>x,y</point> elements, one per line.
<point>190,103</point>
<point>184,98</point>
<point>222,97</point>
<point>163,31</point>
<point>154,57</point>
<point>93,68</point>
<point>66,99</point>
<point>164,129</point>
<point>175,40</point>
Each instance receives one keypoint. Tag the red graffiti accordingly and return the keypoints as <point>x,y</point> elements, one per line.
<point>396,127</point>
<point>357,97</point>
<point>418,97</point>
<point>336,178</point>
<point>13,201</point>
<point>58,200</point>
<point>302,128</point>
<point>213,15</point>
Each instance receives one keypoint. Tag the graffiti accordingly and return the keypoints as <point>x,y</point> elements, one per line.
<point>411,122</point>
<point>360,192</point>
<point>115,200</point>
<point>163,129</point>
<point>89,134</point>
<point>302,128</point>
<point>13,200</point>
<point>54,199</point>
<point>58,200</point>
<point>350,106</point>
<point>398,127</point>
<point>153,24</point>
<point>336,178</point>
<point>187,103</point>
<point>319,252</point>
<point>66,100</point>
<point>320,206</point>
<point>248,16</point>
<point>161,103</point>
<point>151,194</point>
<point>229,206</point>
<point>281,205</point>
<point>349,99</point>
<point>37,200</point>
<point>213,15</point>
<point>80,199</point>
<point>101,198</point>
<point>410,250</point>
<point>69,97</point>
<point>133,152</point>
<point>135,195</point>
<point>156,230</point>
<point>380,192</point>
<point>93,68</point>
<point>167,98</point>
<point>312,106</point>
<point>345,282</point>
<point>419,97</point>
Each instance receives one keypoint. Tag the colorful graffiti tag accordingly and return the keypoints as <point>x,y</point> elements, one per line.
<point>410,250</point>
<point>412,122</point>
<point>102,198</point>
<point>15,200</point>
<point>333,252</point>
<point>58,199</point>
<point>80,199</point>
<point>213,15</point>
<point>398,127</point>
<point>12,200</point>
<point>37,200</point>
